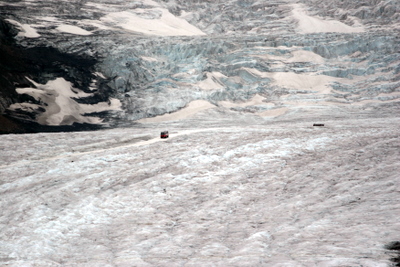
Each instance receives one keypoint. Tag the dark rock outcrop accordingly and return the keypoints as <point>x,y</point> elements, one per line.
<point>20,65</point>
<point>394,247</point>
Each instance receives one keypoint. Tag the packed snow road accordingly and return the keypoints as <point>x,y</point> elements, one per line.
<point>261,195</point>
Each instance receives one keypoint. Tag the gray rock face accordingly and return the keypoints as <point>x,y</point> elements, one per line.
<point>134,60</point>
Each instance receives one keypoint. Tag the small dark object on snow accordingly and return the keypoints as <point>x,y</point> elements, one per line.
<point>318,124</point>
<point>164,134</point>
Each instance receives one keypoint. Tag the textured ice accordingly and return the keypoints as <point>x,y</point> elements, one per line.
<point>279,194</point>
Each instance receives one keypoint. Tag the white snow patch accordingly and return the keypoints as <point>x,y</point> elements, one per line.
<point>256,100</point>
<point>49,19</point>
<point>305,56</point>
<point>26,30</point>
<point>273,112</point>
<point>60,107</point>
<point>96,24</point>
<point>297,55</point>
<point>155,21</point>
<point>190,110</point>
<point>150,59</point>
<point>101,75</point>
<point>212,81</point>
<point>73,30</point>
<point>319,83</point>
<point>310,24</point>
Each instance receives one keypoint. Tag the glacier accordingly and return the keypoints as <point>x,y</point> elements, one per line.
<point>155,58</point>
<point>245,179</point>
<point>241,194</point>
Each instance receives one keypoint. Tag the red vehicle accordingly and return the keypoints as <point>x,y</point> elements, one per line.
<point>164,134</point>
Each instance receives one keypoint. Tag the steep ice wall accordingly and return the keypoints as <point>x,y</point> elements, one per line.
<point>376,14</point>
<point>156,57</point>
<point>171,73</point>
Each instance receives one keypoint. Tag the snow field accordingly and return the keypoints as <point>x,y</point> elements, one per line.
<point>261,195</point>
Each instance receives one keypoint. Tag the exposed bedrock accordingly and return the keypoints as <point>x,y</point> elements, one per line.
<point>26,67</point>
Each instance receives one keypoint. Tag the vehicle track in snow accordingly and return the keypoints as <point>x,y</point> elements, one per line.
<point>146,138</point>
<point>95,147</point>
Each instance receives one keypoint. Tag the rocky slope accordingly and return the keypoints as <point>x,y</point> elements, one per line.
<point>113,63</point>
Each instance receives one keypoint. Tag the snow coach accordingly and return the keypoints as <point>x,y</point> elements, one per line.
<point>164,134</point>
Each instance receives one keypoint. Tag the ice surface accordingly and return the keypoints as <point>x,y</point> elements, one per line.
<point>271,194</point>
